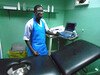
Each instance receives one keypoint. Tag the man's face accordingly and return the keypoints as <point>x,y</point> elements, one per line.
<point>39,12</point>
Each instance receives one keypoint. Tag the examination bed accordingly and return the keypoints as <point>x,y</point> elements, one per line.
<point>76,56</point>
<point>68,61</point>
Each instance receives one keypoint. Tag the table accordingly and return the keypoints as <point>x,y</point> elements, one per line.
<point>60,40</point>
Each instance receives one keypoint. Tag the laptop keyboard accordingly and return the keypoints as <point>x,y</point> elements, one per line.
<point>66,34</point>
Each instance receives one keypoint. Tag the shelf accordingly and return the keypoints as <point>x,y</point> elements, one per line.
<point>24,10</point>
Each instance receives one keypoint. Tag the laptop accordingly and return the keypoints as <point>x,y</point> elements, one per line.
<point>70,27</point>
<point>68,32</point>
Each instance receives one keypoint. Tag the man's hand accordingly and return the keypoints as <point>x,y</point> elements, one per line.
<point>35,53</point>
<point>30,47</point>
<point>57,34</point>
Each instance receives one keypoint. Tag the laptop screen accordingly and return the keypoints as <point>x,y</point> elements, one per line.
<point>70,26</point>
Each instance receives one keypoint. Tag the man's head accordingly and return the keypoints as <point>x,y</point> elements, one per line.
<point>38,11</point>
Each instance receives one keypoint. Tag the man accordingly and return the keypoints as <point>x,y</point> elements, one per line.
<point>35,31</point>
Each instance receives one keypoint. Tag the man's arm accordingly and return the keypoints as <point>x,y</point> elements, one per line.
<point>51,33</point>
<point>30,47</point>
<point>27,33</point>
<point>47,29</point>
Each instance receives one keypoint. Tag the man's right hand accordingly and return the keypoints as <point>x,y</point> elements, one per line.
<point>35,53</point>
<point>57,34</point>
<point>30,47</point>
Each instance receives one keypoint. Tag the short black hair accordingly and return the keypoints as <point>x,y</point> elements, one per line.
<point>37,6</point>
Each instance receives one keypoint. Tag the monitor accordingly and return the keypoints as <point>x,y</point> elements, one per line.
<point>70,26</point>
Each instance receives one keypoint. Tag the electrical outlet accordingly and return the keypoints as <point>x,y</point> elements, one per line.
<point>96,69</point>
<point>82,30</point>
